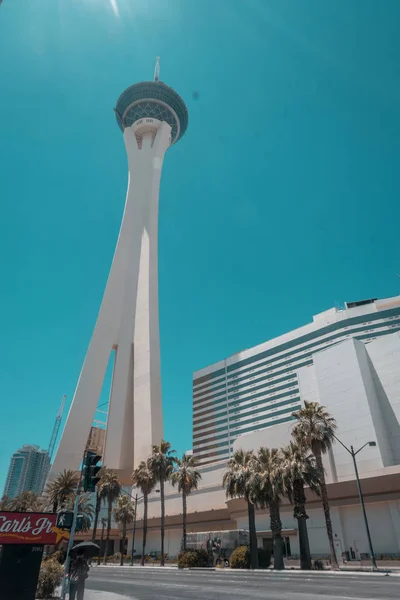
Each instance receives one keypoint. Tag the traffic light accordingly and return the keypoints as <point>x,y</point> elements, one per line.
<point>65,518</point>
<point>90,471</point>
<point>79,523</point>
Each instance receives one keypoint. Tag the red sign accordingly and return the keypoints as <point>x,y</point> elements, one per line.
<point>30,528</point>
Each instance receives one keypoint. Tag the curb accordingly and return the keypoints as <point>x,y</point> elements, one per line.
<point>258,572</point>
<point>299,573</point>
<point>146,567</point>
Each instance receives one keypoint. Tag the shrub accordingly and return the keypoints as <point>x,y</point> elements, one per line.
<point>60,556</point>
<point>192,558</point>
<point>318,565</point>
<point>50,577</point>
<point>240,558</point>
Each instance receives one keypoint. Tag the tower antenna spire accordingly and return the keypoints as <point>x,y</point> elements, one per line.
<point>157,69</point>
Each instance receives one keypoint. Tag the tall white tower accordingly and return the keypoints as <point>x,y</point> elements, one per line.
<point>152,117</point>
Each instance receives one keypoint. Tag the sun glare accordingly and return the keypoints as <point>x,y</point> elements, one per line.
<point>114,6</point>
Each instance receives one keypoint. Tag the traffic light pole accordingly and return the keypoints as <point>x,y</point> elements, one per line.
<point>72,533</point>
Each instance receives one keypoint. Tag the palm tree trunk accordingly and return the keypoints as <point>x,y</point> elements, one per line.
<point>108,531</point>
<point>276,528</point>
<point>305,555</point>
<point>121,564</point>
<point>325,505</point>
<point>101,542</point>
<point>145,504</point>
<point>300,514</point>
<point>96,517</point>
<point>162,520</point>
<point>184,518</point>
<point>253,536</point>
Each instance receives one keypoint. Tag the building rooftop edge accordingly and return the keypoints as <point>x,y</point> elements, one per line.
<point>318,322</point>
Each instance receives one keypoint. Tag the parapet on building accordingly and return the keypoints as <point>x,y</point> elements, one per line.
<point>259,387</point>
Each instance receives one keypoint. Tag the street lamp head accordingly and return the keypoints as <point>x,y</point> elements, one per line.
<point>371,443</point>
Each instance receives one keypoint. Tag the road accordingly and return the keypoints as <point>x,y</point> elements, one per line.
<point>169,584</point>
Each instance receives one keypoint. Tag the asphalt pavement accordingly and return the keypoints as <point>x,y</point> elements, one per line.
<point>172,584</point>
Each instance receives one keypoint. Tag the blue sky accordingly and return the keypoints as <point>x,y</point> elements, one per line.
<point>281,200</point>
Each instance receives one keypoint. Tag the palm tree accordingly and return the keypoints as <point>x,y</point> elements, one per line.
<point>187,478</point>
<point>298,469</point>
<point>239,482</point>
<point>109,489</point>
<point>5,503</point>
<point>143,478</point>
<point>25,502</point>
<point>96,514</point>
<point>161,462</point>
<point>315,430</point>
<point>98,504</point>
<point>103,525</point>
<point>268,482</point>
<point>60,491</point>
<point>85,509</point>
<point>124,513</point>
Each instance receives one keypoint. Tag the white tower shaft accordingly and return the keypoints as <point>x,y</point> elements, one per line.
<point>127,322</point>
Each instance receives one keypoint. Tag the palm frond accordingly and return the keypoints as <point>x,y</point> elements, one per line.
<point>315,427</point>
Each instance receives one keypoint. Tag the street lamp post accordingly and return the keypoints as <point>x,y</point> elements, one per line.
<point>353,454</point>
<point>136,500</point>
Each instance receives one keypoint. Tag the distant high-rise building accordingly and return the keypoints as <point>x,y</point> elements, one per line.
<point>28,470</point>
<point>259,387</point>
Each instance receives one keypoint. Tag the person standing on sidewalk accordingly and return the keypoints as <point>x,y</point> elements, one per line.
<point>78,573</point>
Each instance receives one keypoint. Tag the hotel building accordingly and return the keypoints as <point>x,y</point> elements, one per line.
<point>259,387</point>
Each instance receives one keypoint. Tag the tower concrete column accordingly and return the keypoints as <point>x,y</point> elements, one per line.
<point>152,117</point>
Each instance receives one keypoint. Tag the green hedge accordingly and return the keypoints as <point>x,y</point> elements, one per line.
<point>192,558</point>
<point>240,558</point>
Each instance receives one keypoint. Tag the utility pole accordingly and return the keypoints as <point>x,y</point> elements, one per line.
<point>72,533</point>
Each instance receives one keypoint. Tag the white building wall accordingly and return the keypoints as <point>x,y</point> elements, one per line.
<point>347,393</point>
<point>384,359</point>
<point>209,495</point>
<point>347,525</point>
<point>360,386</point>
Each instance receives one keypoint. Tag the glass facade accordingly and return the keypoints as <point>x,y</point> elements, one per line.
<point>28,471</point>
<point>262,390</point>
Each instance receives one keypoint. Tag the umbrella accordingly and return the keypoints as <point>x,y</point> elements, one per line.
<point>86,548</point>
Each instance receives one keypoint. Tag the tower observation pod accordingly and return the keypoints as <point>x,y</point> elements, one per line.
<point>152,117</point>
